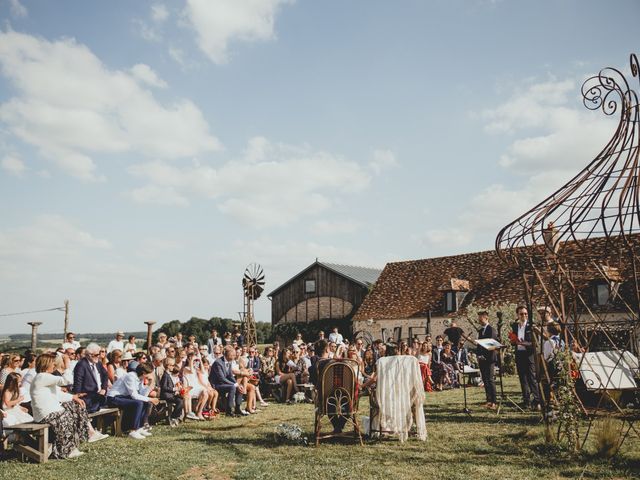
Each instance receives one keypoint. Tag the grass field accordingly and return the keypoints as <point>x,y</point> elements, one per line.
<point>482,445</point>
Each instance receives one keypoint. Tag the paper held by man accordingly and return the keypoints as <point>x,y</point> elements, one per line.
<point>489,343</point>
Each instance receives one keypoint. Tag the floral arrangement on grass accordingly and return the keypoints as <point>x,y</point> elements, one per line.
<point>287,433</point>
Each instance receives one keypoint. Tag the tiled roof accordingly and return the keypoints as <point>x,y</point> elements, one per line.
<point>409,289</point>
<point>365,275</point>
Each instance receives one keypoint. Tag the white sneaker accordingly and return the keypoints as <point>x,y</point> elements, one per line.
<point>264,404</point>
<point>136,435</point>
<point>144,432</point>
<point>97,436</point>
<point>75,453</point>
<point>192,416</point>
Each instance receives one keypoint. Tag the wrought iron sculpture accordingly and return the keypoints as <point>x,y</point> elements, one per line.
<point>252,287</point>
<point>337,399</point>
<point>584,235</point>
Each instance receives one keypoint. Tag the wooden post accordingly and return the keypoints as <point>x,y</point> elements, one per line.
<point>149,335</point>
<point>499,315</point>
<point>34,334</point>
<point>66,319</point>
<point>428,322</point>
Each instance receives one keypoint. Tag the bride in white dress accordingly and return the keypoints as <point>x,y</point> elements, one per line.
<point>11,400</point>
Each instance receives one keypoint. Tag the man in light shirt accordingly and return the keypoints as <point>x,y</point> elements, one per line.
<point>131,394</point>
<point>335,336</point>
<point>117,344</point>
<point>70,342</point>
<point>525,361</point>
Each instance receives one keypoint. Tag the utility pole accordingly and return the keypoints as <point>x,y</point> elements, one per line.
<point>66,319</point>
<point>149,335</point>
<point>34,334</point>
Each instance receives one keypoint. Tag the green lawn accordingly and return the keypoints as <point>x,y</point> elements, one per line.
<point>482,445</point>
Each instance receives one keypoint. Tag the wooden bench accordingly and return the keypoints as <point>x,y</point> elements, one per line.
<point>32,434</point>
<point>114,420</point>
<point>33,438</point>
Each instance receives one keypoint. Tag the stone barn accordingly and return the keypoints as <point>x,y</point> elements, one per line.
<point>413,297</point>
<point>323,292</point>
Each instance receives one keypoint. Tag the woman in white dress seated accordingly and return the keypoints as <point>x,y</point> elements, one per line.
<point>11,400</point>
<point>67,417</point>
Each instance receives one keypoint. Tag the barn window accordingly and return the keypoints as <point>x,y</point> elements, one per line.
<point>601,294</point>
<point>450,303</point>
<point>309,286</point>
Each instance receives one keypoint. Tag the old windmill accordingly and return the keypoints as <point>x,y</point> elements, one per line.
<point>252,286</point>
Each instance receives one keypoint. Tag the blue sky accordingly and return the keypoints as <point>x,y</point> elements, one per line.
<point>150,150</point>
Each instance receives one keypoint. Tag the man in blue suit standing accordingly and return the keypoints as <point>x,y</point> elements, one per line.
<point>90,378</point>
<point>222,378</point>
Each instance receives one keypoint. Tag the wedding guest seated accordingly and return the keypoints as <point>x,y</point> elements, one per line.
<point>285,375</point>
<point>10,363</point>
<point>116,367</point>
<point>68,420</point>
<point>90,379</point>
<point>255,364</point>
<point>70,342</point>
<point>424,360</point>
<point>223,380</point>
<point>170,390</point>
<point>449,367</point>
<point>244,377</point>
<point>369,364</point>
<point>192,376</point>
<point>117,343</point>
<point>130,393</point>
<point>28,373</point>
<point>268,365</point>
<point>11,402</point>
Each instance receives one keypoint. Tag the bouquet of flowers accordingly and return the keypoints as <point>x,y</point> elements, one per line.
<point>290,434</point>
<point>513,338</point>
<point>299,397</point>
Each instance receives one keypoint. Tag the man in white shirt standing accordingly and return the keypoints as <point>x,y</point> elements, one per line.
<point>525,358</point>
<point>335,336</point>
<point>214,340</point>
<point>70,342</point>
<point>131,394</point>
<point>117,344</point>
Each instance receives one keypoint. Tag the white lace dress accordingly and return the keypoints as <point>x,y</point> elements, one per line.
<point>15,416</point>
<point>400,395</point>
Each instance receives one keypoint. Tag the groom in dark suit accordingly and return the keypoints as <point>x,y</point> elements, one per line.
<point>487,359</point>
<point>222,378</point>
<point>90,378</point>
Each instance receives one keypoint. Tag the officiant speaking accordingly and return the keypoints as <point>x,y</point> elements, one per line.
<point>487,359</point>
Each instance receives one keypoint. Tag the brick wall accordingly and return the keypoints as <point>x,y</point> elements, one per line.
<point>318,308</point>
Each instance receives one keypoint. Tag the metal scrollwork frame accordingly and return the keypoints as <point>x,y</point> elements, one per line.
<point>587,232</point>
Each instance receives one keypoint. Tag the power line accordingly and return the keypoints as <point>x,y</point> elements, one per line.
<point>60,309</point>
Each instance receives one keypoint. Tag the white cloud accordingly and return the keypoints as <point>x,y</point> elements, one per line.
<point>48,235</point>
<point>219,22</point>
<point>157,195</point>
<point>271,184</point>
<point>18,9</point>
<point>71,107</point>
<point>147,76</point>
<point>13,165</point>
<point>447,237</point>
<point>383,160</point>
<point>551,138</point>
<point>159,13</point>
